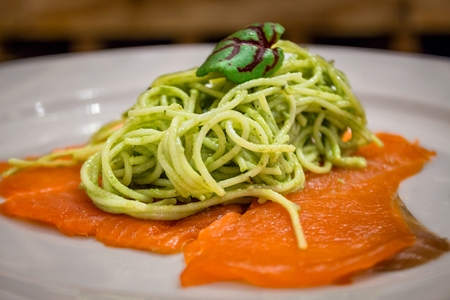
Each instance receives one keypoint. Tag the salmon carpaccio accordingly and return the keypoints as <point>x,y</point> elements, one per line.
<point>350,218</point>
<point>52,195</point>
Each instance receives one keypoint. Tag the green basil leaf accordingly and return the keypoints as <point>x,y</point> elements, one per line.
<point>246,54</point>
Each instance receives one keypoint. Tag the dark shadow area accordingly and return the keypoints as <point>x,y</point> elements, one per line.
<point>111,44</point>
<point>379,42</point>
<point>20,48</point>
<point>436,44</point>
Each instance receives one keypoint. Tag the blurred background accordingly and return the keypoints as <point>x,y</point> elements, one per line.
<point>30,28</point>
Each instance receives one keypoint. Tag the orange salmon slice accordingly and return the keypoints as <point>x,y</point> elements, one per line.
<point>51,195</point>
<point>349,218</point>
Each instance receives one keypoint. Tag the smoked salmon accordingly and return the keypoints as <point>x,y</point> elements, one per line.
<point>349,218</point>
<point>51,195</point>
<point>352,220</point>
<point>4,166</point>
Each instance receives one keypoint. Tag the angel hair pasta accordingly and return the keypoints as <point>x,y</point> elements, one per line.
<point>191,142</point>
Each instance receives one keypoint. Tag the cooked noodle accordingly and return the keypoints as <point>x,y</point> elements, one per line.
<point>193,142</point>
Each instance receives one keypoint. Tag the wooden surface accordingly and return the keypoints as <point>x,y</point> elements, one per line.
<point>89,24</point>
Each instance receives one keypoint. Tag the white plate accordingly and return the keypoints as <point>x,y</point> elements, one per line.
<point>60,101</point>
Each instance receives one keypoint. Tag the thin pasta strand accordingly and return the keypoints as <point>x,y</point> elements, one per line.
<point>193,142</point>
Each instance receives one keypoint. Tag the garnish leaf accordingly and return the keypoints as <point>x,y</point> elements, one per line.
<point>246,54</point>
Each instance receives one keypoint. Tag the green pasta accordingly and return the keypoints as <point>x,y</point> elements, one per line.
<point>69,156</point>
<point>192,142</point>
